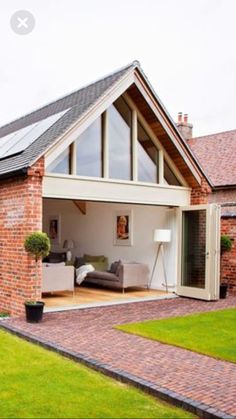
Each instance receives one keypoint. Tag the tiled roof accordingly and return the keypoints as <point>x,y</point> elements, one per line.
<point>77,104</point>
<point>228,211</point>
<point>216,154</point>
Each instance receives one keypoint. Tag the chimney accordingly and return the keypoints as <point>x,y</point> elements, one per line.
<point>184,127</point>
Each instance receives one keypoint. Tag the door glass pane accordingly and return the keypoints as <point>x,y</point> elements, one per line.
<point>147,157</point>
<point>194,249</point>
<point>89,151</point>
<point>119,122</point>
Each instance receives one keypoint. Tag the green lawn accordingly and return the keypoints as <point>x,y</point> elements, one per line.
<point>36,383</point>
<point>212,333</point>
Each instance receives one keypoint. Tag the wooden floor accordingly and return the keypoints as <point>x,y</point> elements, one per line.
<point>89,295</point>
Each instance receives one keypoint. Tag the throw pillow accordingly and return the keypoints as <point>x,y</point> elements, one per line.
<point>119,266</point>
<point>114,267</point>
<point>79,261</point>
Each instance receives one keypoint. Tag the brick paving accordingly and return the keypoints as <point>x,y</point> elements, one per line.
<point>90,333</point>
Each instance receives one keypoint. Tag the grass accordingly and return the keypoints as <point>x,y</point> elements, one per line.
<point>36,383</point>
<point>212,333</point>
<point>2,315</point>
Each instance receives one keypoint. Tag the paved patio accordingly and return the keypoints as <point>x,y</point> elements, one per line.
<point>89,334</point>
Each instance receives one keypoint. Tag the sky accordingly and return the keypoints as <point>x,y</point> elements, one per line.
<point>185,47</point>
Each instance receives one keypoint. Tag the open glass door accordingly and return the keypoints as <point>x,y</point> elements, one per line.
<point>199,252</point>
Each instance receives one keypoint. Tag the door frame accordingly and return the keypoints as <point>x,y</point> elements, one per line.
<point>212,268</point>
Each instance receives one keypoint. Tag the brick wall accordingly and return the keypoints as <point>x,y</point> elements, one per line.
<point>203,195</point>
<point>20,214</point>
<point>200,195</point>
<point>228,271</point>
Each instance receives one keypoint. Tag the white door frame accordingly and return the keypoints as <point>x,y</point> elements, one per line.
<point>212,271</point>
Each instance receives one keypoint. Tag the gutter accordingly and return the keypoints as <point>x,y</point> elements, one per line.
<point>19,172</point>
<point>219,187</point>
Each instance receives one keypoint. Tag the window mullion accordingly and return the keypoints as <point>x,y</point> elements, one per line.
<point>73,159</point>
<point>134,136</point>
<point>161,166</point>
<point>105,144</point>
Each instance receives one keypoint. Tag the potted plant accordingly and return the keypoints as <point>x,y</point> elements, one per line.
<point>36,244</point>
<point>225,246</point>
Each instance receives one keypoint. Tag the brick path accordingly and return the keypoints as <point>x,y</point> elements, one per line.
<point>90,332</point>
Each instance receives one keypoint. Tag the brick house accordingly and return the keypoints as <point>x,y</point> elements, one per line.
<point>113,147</point>
<point>216,153</point>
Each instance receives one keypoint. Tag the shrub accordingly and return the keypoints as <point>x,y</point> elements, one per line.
<point>225,244</point>
<point>37,244</point>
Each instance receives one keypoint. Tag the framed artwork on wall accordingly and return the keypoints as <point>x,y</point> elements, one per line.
<point>123,226</point>
<point>54,229</point>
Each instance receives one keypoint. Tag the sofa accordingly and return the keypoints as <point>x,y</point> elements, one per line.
<point>121,275</point>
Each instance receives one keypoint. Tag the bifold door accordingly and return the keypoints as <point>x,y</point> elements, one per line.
<point>199,251</point>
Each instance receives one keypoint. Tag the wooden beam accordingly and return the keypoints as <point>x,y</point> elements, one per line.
<point>81,205</point>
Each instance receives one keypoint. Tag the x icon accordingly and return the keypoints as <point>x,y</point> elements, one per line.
<point>22,22</point>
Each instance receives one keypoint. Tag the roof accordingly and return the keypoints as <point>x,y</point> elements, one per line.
<point>76,104</point>
<point>216,154</point>
<point>65,112</point>
<point>228,211</point>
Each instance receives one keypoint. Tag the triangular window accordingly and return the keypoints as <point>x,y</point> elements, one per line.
<point>119,140</point>
<point>61,164</point>
<point>147,157</point>
<point>89,151</point>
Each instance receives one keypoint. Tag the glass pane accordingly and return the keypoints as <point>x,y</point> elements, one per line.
<point>169,176</point>
<point>147,157</point>
<point>24,137</point>
<point>194,249</point>
<point>61,164</point>
<point>89,151</point>
<point>119,137</point>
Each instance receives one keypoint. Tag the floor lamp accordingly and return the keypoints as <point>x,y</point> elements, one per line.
<point>161,237</point>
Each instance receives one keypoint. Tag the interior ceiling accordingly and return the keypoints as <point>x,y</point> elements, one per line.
<point>163,137</point>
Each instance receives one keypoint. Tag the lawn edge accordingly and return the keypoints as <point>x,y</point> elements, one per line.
<point>120,328</point>
<point>197,408</point>
<point>175,345</point>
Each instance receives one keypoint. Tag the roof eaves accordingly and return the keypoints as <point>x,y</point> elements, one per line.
<point>227,186</point>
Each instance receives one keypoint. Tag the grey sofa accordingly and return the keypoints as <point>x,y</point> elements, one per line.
<point>125,275</point>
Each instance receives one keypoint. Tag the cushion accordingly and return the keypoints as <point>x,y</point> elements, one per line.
<point>100,262</point>
<point>79,261</point>
<point>100,266</point>
<point>55,257</point>
<point>91,258</point>
<point>54,264</point>
<point>114,267</point>
<point>118,267</point>
<point>105,276</point>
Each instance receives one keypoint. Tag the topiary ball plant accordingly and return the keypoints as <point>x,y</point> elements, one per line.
<point>38,245</point>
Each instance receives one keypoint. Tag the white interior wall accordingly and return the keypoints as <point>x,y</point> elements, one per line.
<point>93,233</point>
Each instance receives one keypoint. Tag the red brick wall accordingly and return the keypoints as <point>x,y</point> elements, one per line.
<point>203,195</point>
<point>200,195</point>
<point>20,214</point>
<point>228,227</point>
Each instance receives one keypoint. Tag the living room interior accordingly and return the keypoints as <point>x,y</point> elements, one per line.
<point>88,228</point>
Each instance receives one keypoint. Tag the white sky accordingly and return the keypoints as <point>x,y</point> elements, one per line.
<point>187,48</point>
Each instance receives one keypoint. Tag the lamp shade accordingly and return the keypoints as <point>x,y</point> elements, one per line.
<point>162,236</point>
<point>68,244</point>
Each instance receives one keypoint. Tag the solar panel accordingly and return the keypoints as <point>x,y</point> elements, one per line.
<point>19,140</point>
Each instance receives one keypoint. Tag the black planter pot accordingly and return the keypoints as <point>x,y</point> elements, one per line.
<point>223,290</point>
<point>34,311</point>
